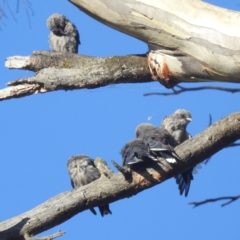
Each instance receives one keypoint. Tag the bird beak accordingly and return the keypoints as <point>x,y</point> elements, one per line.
<point>189,119</point>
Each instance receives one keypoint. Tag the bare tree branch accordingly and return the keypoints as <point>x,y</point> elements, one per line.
<point>27,5</point>
<point>233,145</point>
<point>231,199</point>
<point>66,71</point>
<point>183,89</point>
<point>106,190</point>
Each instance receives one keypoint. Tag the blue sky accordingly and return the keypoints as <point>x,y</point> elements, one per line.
<point>40,132</point>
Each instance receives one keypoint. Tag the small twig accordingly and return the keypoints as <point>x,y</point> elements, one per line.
<point>50,237</point>
<point>233,145</point>
<point>210,120</point>
<point>10,10</point>
<point>183,89</point>
<point>230,145</point>
<point>209,124</point>
<point>126,172</point>
<point>28,7</point>
<point>3,13</point>
<point>232,199</point>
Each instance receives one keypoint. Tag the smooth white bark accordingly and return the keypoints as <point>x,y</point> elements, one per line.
<point>196,41</point>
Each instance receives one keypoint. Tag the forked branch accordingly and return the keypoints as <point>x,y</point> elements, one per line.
<point>231,199</point>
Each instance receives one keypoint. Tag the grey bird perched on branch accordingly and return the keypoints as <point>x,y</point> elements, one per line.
<point>157,139</point>
<point>82,171</point>
<point>64,36</point>
<point>176,125</point>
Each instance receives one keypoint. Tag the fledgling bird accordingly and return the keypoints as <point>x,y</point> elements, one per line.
<point>82,171</point>
<point>176,125</point>
<point>135,154</point>
<point>64,36</point>
<point>157,139</point>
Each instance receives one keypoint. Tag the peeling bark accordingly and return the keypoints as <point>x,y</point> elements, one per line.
<point>196,41</point>
<point>113,187</point>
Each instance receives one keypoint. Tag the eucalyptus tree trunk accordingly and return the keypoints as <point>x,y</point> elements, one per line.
<point>190,40</point>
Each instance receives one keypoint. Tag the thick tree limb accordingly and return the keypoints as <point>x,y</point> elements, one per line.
<point>231,199</point>
<point>66,71</point>
<point>106,190</point>
<point>195,42</point>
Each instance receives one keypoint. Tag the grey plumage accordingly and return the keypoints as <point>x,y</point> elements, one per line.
<point>176,125</point>
<point>82,171</point>
<point>157,139</point>
<point>64,36</point>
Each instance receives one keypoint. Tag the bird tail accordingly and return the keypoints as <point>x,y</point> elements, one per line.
<point>104,210</point>
<point>184,181</point>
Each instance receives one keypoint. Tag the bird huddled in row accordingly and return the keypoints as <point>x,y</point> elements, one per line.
<point>153,142</point>
<point>83,171</point>
<point>64,36</point>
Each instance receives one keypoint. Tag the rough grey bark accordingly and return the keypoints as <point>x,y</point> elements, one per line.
<point>195,42</point>
<point>56,71</point>
<point>113,187</point>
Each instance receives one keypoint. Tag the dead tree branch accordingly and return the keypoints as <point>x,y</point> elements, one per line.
<point>231,199</point>
<point>114,187</point>
<point>65,71</point>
